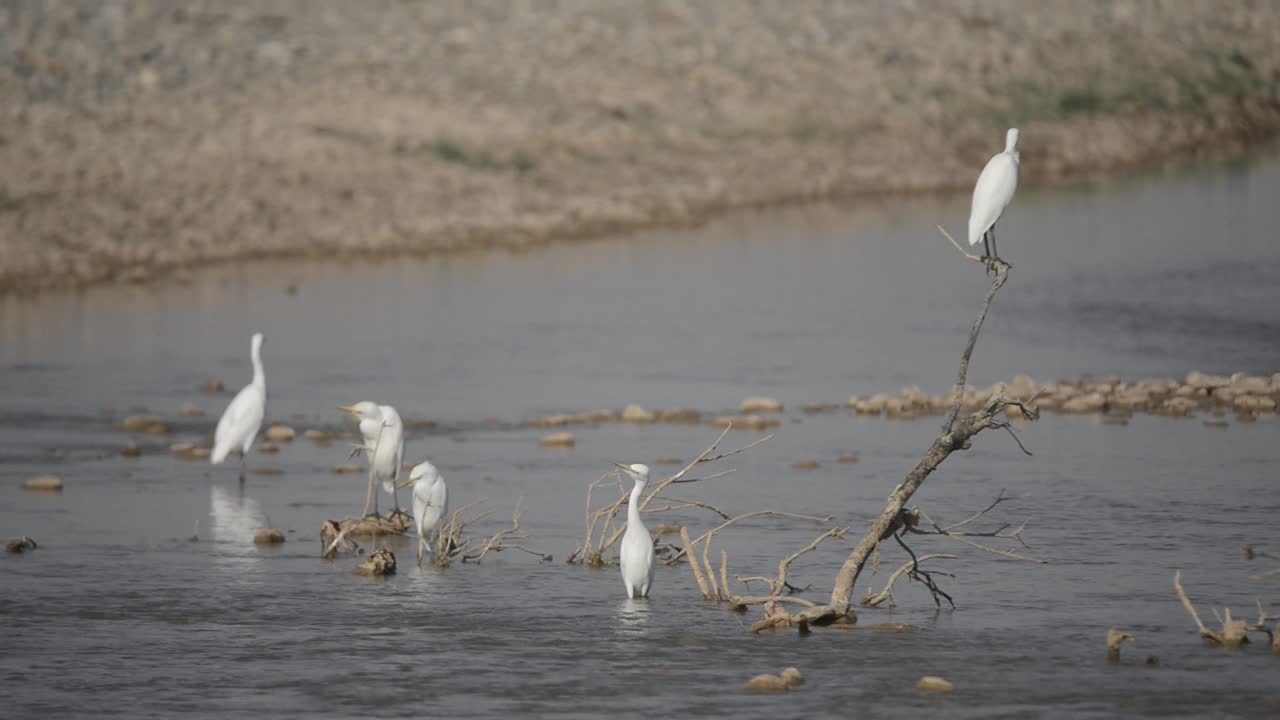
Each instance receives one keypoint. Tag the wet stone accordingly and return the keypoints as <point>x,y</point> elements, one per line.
<point>559,440</point>
<point>281,433</point>
<point>933,683</point>
<point>269,536</point>
<point>43,483</point>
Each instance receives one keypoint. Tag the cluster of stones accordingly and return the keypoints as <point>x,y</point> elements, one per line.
<point>755,413</point>
<point>1246,395</point>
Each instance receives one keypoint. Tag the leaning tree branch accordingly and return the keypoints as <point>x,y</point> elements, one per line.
<point>957,433</point>
<point>1233,632</point>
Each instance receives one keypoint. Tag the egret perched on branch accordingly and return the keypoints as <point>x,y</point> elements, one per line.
<point>430,504</point>
<point>636,554</point>
<point>240,422</point>
<point>993,193</point>
<point>383,434</point>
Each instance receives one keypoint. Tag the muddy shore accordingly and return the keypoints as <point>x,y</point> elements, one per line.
<point>143,137</point>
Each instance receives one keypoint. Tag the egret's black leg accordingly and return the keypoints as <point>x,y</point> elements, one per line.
<point>995,254</point>
<point>987,238</point>
<point>241,468</point>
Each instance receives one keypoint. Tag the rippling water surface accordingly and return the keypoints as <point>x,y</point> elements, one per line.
<point>119,613</point>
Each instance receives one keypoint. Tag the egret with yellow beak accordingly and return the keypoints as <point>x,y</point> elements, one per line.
<point>383,435</point>
<point>430,505</point>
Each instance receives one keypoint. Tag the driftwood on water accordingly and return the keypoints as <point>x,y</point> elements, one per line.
<point>338,536</point>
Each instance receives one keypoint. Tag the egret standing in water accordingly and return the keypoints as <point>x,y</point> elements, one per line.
<point>636,554</point>
<point>383,434</point>
<point>240,422</point>
<point>993,193</point>
<point>430,504</point>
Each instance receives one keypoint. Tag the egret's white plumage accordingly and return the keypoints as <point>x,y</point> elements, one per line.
<point>382,432</point>
<point>430,505</point>
<point>636,554</point>
<point>240,422</point>
<point>994,192</point>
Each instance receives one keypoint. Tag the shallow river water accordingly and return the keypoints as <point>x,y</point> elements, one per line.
<point>118,613</point>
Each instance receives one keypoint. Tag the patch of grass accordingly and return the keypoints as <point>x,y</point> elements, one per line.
<point>1086,100</point>
<point>1240,60</point>
<point>454,151</point>
<point>803,130</point>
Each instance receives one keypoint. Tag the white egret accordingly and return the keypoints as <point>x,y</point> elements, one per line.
<point>636,553</point>
<point>993,193</point>
<point>383,434</point>
<point>430,505</point>
<point>240,422</point>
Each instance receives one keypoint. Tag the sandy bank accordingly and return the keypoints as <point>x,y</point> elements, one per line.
<point>143,136</point>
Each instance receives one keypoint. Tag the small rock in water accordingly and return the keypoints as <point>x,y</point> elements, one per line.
<point>189,410</point>
<point>199,453</point>
<point>20,545</point>
<point>847,459</point>
<point>560,439</point>
<point>348,469</point>
<point>680,415</point>
<point>268,448</point>
<point>131,450</point>
<point>315,435</point>
<point>1178,406</point>
<point>266,471</point>
<point>741,422</point>
<point>43,483</point>
<point>668,461</point>
<point>1216,423</point>
<point>1091,402</point>
<point>933,683</point>
<point>381,562</point>
<point>268,536</point>
<point>793,677</point>
<point>766,683</point>
<point>280,433</point>
<point>804,465</point>
<point>637,414</point>
<point>140,423</point>
<point>1198,380</point>
<point>814,408</point>
<point>213,387</point>
<point>760,404</point>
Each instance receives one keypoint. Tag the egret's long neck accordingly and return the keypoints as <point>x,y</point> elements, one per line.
<point>633,507</point>
<point>259,376</point>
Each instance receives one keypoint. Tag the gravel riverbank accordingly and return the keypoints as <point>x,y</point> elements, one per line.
<point>140,137</point>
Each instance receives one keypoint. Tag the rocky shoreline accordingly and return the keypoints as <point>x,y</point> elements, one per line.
<point>145,137</point>
<point>1247,398</point>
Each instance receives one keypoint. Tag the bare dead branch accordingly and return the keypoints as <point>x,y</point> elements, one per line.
<point>1232,634</point>
<point>711,573</point>
<point>693,564</point>
<point>886,594</point>
<point>956,434</point>
<point>747,516</point>
<point>695,503</point>
<point>496,542</point>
